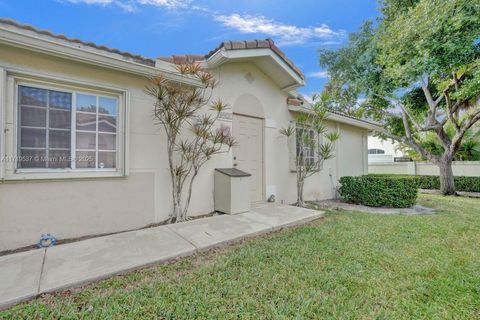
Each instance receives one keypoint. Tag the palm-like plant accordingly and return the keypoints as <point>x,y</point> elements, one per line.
<point>192,134</point>
<point>314,144</point>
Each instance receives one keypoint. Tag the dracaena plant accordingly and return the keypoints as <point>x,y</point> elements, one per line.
<point>188,115</point>
<point>314,144</point>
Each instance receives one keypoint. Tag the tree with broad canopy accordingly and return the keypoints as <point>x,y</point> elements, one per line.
<point>417,71</point>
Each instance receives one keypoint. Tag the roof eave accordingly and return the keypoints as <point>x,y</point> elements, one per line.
<point>342,119</point>
<point>222,56</point>
<point>17,38</point>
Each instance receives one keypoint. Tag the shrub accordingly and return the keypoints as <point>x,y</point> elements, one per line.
<point>468,184</point>
<point>428,182</point>
<point>380,191</point>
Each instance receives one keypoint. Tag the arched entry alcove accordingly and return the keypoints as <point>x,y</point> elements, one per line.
<point>248,117</point>
<point>248,105</point>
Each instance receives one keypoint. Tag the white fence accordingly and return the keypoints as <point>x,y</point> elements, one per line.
<point>380,158</point>
<point>460,168</point>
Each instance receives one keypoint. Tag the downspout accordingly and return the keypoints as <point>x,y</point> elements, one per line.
<point>334,179</point>
<point>3,105</point>
<point>365,153</point>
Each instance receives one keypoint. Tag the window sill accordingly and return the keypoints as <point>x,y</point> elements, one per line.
<point>34,175</point>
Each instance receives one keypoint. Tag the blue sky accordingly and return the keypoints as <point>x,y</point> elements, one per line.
<point>164,27</point>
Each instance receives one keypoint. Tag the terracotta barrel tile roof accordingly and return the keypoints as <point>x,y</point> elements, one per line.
<point>134,57</point>
<point>189,58</point>
<point>236,45</point>
<point>181,59</point>
<point>257,44</point>
<point>294,101</point>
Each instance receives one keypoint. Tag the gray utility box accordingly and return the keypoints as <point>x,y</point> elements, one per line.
<point>232,190</point>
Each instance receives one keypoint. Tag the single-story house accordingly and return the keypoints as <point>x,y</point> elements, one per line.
<point>82,156</point>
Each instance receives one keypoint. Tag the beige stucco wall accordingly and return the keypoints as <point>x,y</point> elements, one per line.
<point>75,208</point>
<point>238,79</point>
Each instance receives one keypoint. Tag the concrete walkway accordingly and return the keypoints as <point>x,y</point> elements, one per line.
<point>25,275</point>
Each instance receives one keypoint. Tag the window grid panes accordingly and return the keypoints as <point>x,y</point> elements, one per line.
<point>43,135</point>
<point>307,152</point>
<point>376,151</point>
<point>57,127</point>
<point>96,128</point>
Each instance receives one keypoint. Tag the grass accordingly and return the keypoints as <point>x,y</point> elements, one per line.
<point>349,265</point>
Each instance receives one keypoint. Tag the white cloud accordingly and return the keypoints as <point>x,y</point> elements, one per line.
<point>131,5</point>
<point>101,2</point>
<point>318,75</point>
<point>286,33</point>
<point>126,6</point>
<point>171,4</point>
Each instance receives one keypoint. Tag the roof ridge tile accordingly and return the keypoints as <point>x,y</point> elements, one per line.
<point>137,58</point>
<point>243,44</point>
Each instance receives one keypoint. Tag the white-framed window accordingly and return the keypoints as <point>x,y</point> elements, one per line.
<point>376,151</point>
<point>59,129</point>
<point>306,151</point>
<point>44,128</point>
<point>63,130</point>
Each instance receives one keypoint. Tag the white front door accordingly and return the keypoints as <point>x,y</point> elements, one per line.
<point>248,154</point>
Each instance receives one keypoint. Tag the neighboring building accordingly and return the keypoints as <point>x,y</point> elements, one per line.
<point>382,150</point>
<point>65,97</point>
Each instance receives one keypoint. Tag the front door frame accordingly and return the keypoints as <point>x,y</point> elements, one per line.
<point>263,176</point>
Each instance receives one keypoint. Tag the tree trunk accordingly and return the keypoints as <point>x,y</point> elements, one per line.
<point>174,213</point>
<point>300,182</point>
<point>447,185</point>
<point>177,206</point>
<point>189,195</point>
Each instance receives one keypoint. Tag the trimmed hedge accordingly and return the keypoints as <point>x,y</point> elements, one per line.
<point>462,183</point>
<point>380,191</point>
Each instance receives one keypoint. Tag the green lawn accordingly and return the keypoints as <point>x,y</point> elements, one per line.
<point>347,266</point>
